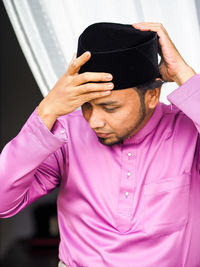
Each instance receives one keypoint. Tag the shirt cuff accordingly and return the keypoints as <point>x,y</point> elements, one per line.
<point>50,139</point>
<point>187,97</point>
<point>185,91</point>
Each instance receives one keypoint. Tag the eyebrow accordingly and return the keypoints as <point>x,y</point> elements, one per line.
<point>108,103</point>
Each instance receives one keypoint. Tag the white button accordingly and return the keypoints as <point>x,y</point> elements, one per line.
<point>126,194</point>
<point>62,131</point>
<point>128,174</point>
<point>129,154</point>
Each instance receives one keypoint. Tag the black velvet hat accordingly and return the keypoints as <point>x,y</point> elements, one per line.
<point>130,55</point>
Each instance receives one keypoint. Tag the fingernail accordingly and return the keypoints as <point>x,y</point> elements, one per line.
<point>109,77</point>
<point>107,92</point>
<point>74,56</point>
<point>87,53</point>
<point>110,85</point>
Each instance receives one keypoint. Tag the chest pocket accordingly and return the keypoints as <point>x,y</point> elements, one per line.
<point>166,205</point>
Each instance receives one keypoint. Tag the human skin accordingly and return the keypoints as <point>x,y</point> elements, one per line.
<point>74,90</point>
<point>119,115</point>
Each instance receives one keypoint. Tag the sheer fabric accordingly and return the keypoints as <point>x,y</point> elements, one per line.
<point>48,30</point>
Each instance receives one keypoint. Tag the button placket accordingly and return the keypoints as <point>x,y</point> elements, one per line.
<point>125,202</point>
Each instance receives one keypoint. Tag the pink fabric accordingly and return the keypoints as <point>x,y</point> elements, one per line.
<point>136,204</point>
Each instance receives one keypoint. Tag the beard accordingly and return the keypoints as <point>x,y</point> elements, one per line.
<point>119,139</point>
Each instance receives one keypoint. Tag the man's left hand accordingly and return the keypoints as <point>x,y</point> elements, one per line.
<point>173,68</point>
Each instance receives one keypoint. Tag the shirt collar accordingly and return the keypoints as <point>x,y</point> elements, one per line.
<point>149,126</point>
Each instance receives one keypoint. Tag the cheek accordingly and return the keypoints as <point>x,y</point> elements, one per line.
<point>124,119</point>
<point>120,120</point>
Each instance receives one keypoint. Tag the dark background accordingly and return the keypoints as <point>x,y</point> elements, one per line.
<point>24,240</point>
<point>19,91</point>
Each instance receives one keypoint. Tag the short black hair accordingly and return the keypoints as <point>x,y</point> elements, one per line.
<point>143,88</point>
<point>150,85</point>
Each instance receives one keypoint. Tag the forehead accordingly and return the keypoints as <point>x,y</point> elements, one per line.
<point>118,96</point>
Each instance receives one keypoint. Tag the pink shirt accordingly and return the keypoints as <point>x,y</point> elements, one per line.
<point>136,204</point>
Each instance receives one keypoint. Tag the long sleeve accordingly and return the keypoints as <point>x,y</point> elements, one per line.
<point>30,165</point>
<point>187,99</point>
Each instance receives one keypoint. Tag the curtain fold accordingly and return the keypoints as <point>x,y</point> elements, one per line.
<point>48,30</point>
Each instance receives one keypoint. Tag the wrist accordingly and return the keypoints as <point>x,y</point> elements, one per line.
<point>46,115</point>
<point>184,74</point>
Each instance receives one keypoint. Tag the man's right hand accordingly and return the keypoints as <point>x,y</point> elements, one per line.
<point>72,90</point>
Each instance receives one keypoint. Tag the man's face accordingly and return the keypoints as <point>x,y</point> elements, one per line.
<point>115,117</point>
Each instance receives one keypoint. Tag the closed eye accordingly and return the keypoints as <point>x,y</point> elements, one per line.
<point>110,109</point>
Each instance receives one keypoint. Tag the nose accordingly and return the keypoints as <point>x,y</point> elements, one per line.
<point>96,119</point>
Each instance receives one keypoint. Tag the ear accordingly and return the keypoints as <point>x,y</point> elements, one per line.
<point>152,97</point>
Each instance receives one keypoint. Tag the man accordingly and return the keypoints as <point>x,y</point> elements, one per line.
<point>127,166</point>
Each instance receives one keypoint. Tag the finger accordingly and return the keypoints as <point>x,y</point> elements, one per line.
<point>152,26</point>
<point>73,57</point>
<point>91,77</point>
<point>76,63</point>
<point>164,39</point>
<point>90,96</point>
<point>94,87</point>
<point>146,25</point>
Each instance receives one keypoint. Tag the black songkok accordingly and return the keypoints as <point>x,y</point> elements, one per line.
<point>130,55</point>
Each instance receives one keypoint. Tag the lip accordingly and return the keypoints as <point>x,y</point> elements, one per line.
<point>102,135</point>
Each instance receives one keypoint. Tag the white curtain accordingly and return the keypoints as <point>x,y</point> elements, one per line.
<point>48,30</point>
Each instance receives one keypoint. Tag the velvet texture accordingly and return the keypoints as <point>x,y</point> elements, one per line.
<point>130,55</point>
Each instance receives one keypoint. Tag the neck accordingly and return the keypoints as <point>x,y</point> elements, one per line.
<point>148,116</point>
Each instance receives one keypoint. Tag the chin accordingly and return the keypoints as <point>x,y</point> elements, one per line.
<point>110,141</point>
